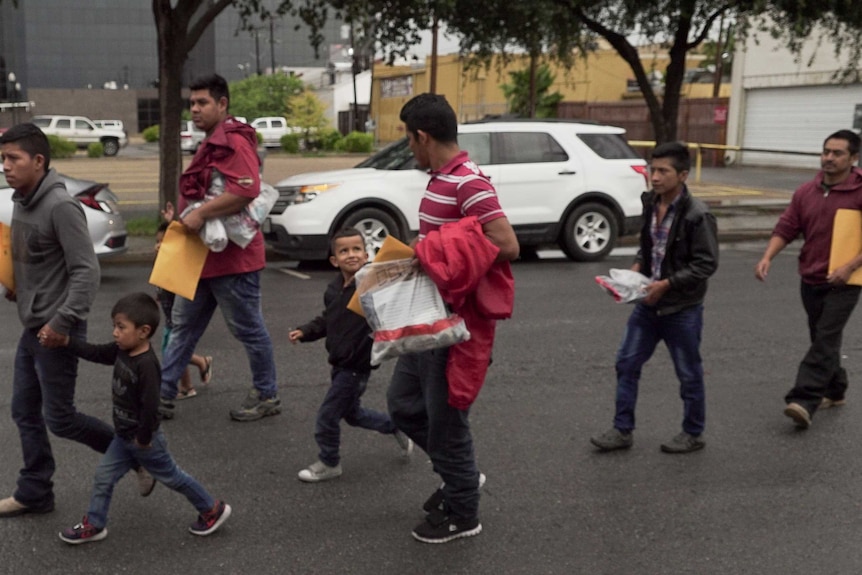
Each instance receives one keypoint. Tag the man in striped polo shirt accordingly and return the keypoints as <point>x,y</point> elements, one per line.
<point>419,394</point>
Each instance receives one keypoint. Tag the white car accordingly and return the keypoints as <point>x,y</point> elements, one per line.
<point>191,137</point>
<point>272,129</point>
<point>82,132</point>
<point>572,184</point>
<point>104,222</point>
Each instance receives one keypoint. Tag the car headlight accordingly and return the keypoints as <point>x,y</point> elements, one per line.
<point>304,194</point>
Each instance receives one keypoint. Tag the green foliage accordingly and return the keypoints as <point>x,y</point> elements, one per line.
<point>356,142</point>
<point>95,150</point>
<point>326,139</point>
<point>518,93</point>
<point>151,134</point>
<point>290,143</point>
<point>143,226</point>
<point>61,147</point>
<point>258,96</point>
<point>308,113</point>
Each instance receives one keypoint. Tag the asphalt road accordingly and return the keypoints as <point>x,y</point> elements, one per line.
<point>762,498</point>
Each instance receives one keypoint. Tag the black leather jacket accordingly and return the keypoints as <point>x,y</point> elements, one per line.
<point>691,256</point>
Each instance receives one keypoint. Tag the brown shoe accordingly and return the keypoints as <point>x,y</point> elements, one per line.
<point>826,402</point>
<point>799,415</point>
<point>11,507</point>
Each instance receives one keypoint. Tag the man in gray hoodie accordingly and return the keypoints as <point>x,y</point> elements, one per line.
<point>56,280</point>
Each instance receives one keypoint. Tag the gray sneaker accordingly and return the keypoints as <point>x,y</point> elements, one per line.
<point>683,443</point>
<point>254,408</point>
<point>404,442</point>
<point>612,440</point>
<point>319,471</point>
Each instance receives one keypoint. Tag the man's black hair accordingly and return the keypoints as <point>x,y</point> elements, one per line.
<point>30,138</point>
<point>215,84</point>
<point>344,233</point>
<point>140,308</point>
<point>851,137</point>
<point>432,114</point>
<point>678,154</point>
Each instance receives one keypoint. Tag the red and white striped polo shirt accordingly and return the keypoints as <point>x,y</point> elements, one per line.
<point>457,190</point>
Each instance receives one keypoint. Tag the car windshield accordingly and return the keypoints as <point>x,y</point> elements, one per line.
<point>395,156</point>
<point>42,122</point>
<point>609,146</point>
<point>3,182</point>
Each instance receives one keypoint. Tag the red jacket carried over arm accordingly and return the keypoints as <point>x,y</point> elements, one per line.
<point>460,261</point>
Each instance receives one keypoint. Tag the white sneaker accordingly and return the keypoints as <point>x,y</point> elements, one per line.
<point>319,471</point>
<point>404,442</point>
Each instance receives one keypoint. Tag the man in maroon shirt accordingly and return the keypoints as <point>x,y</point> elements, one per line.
<point>821,382</point>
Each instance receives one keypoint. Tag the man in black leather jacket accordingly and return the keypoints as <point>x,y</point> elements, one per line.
<point>678,251</point>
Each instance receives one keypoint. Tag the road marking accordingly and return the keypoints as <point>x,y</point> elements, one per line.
<point>294,273</point>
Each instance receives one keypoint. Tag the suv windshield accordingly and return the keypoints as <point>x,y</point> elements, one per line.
<point>610,146</point>
<point>41,122</point>
<point>395,156</point>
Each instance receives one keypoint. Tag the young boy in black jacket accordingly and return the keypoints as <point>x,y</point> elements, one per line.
<point>348,341</point>
<point>137,438</point>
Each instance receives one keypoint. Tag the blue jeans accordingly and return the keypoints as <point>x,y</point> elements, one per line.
<point>343,402</point>
<point>681,333</point>
<point>820,373</point>
<point>43,398</point>
<point>123,455</point>
<point>238,297</point>
<point>418,398</point>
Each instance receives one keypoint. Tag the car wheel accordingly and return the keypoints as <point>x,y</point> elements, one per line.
<point>111,147</point>
<point>374,225</point>
<point>589,233</point>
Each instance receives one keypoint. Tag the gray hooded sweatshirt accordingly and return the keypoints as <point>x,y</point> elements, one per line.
<point>56,270</point>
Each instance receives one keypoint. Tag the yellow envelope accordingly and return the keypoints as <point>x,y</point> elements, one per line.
<point>846,242</point>
<point>7,276</point>
<point>180,261</point>
<point>392,249</point>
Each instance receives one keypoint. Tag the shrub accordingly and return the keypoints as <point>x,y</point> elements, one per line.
<point>327,138</point>
<point>95,150</point>
<point>151,134</point>
<point>290,143</point>
<point>259,138</point>
<point>61,147</point>
<point>356,142</point>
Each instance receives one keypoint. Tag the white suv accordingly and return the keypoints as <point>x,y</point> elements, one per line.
<point>576,185</point>
<point>82,132</point>
<point>272,129</point>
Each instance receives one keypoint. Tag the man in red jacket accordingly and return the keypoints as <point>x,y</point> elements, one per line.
<point>419,395</point>
<point>821,382</point>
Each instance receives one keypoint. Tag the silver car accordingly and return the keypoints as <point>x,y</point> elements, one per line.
<point>107,227</point>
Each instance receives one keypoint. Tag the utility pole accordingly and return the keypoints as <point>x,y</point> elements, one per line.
<point>354,68</point>
<point>272,42</point>
<point>257,50</point>
<point>719,61</point>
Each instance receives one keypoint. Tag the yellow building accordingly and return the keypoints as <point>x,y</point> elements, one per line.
<point>602,76</point>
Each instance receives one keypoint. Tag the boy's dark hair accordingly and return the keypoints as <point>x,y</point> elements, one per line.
<point>215,84</point>
<point>851,137</point>
<point>30,138</point>
<point>163,227</point>
<point>432,114</point>
<point>343,233</point>
<point>140,308</point>
<point>678,154</point>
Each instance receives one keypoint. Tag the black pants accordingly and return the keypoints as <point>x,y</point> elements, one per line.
<point>820,373</point>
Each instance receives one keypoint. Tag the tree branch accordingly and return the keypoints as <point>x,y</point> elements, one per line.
<point>706,27</point>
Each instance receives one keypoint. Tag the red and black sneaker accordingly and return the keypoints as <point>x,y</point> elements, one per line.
<point>208,522</point>
<point>83,532</point>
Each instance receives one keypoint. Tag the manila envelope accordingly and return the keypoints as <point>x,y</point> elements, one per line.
<point>392,249</point>
<point>846,242</point>
<point>7,277</point>
<point>180,261</point>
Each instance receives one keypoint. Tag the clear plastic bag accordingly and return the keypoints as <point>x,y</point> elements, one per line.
<point>405,310</point>
<point>625,286</point>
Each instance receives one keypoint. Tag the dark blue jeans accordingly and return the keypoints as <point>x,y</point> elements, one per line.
<point>123,455</point>
<point>238,297</point>
<point>343,402</point>
<point>820,373</point>
<point>43,398</point>
<point>681,332</point>
<point>418,398</point>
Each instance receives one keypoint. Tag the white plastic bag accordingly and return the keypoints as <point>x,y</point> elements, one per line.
<point>625,286</point>
<point>212,233</point>
<point>404,308</point>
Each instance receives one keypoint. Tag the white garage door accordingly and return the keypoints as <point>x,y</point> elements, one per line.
<point>795,119</point>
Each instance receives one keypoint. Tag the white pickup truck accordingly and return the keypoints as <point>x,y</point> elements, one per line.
<point>82,132</point>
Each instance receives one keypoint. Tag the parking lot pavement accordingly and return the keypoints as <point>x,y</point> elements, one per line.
<point>762,498</point>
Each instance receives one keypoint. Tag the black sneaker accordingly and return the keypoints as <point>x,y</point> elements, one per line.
<point>683,443</point>
<point>612,440</point>
<point>441,528</point>
<point>254,408</point>
<point>437,501</point>
<point>208,522</point>
<point>166,408</point>
<point>83,532</point>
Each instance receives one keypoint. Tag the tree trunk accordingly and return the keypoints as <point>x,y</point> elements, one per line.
<point>435,30</point>
<point>171,58</point>
<point>531,106</point>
